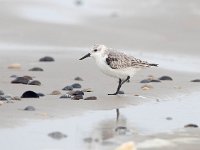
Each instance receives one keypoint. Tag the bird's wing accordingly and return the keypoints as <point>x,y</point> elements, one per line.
<point>118,60</point>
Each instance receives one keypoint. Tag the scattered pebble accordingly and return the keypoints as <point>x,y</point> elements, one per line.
<point>46,59</point>
<point>14,66</point>
<point>145,81</point>
<point>169,118</point>
<point>87,90</point>
<point>28,77</point>
<point>13,76</point>
<point>29,108</point>
<point>1,103</point>
<point>2,98</point>
<point>77,97</point>
<point>55,92</point>
<point>191,126</point>
<point>154,80</point>
<point>146,87</point>
<point>165,78</point>
<point>121,130</point>
<point>68,88</point>
<point>65,96</point>
<point>78,93</point>
<point>88,140</point>
<point>20,80</point>
<point>57,135</point>
<point>35,82</point>
<point>91,98</point>
<point>40,94</point>
<point>78,2</point>
<point>36,69</point>
<point>196,80</point>
<point>1,92</point>
<point>121,92</point>
<point>76,85</point>
<point>29,94</point>
<point>78,79</point>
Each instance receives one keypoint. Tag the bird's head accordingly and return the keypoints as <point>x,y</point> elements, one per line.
<point>96,51</point>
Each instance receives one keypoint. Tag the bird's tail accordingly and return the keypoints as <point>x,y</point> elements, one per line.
<point>156,65</point>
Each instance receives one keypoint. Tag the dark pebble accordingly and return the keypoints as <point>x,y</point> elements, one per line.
<point>3,98</point>
<point>77,97</point>
<point>154,80</point>
<point>77,92</point>
<point>35,82</point>
<point>191,126</point>
<point>57,135</point>
<point>29,94</point>
<point>68,88</point>
<point>145,81</point>
<point>28,77</point>
<point>65,96</point>
<point>91,98</point>
<point>121,130</point>
<point>46,59</point>
<point>21,80</point>
<point>78,79</point>
<point>169,118</point>
<point>78,2</point>
<point>29,108</point>
<point>88,140</point>
<point>14,76</point>
<point>165,78</point>
<point>36,69</point>
<point>40,94</point>
<point>196,80</point>
<point>121,92</point>
<point>76,85</point>
<point>1,92</point>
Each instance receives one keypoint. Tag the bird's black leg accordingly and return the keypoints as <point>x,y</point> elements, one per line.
<point>119,85</point>
<point>118,88</point>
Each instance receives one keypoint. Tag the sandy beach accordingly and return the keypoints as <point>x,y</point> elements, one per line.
<point>158,31</point>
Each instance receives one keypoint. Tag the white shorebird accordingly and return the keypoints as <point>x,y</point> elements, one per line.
<point>116,64</point>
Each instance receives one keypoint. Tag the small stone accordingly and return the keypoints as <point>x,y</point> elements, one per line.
<point>14,66</point>
<point>121,92</point>
<point>1,92</point>
<point>169,118</point>
<point>68,88</point>
<point>16,98</point>
<point>46,59</point>
<point>29,94</point>
<point>77,97</point>
<point>165,78</point>
<point>1,103</point>
<point>35,82</point>
<point>21,80</point>
<point>154,80</point>
<point>146,87</point>
<point>65,96</point>
<point>36,69</point>
<point>78,79</point>
<point>145,81</point>
<point>191,126</point>
<point>8,97</point>
<point>2,98</point>
<point>88,140</point>
<point>195,80</point>
<point>91,98</point>
<point>121,130</point>
<point>13,76</point>
<point>55,93</point>
<point>28,77</point>
<point>78,2</point>
<point>29,108</point>
<point>87,90</point>
<point>57,135</point>
<point>127,146</point>
<point>76,85</point>
<point>40,94</point>
<point>78,93</point>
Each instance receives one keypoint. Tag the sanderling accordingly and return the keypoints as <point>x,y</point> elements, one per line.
<point>116,64</point>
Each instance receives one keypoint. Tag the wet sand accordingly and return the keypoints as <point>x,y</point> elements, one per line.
<point>163,32</point>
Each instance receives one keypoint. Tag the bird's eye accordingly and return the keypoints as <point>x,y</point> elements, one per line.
<point>95,50</point>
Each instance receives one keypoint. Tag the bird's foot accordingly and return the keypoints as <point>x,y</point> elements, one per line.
<point>114,93</point>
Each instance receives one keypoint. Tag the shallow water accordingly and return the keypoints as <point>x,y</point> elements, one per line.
<point>146,119</point>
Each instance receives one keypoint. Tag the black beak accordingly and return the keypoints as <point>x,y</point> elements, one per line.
<point>87,55</point>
